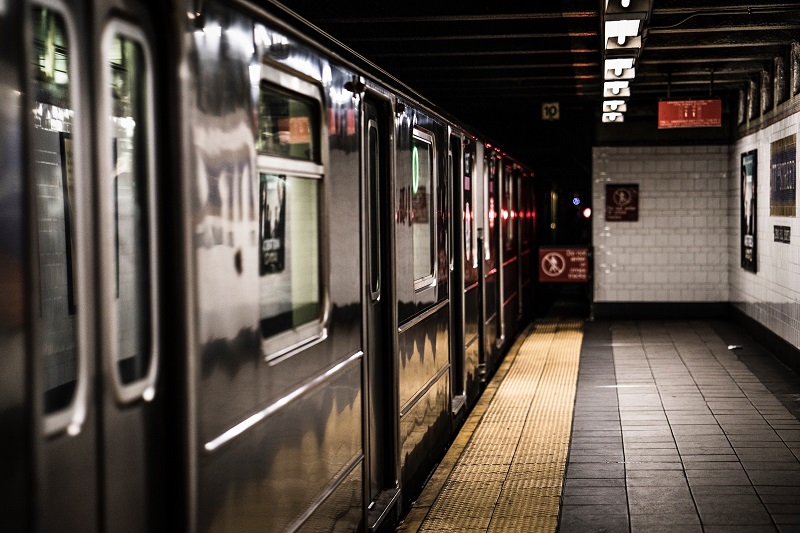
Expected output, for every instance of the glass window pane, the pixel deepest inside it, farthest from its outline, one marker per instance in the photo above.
(289, 252)
(422, 215)
(129, 187)
(509, 212)
(53, 177)
(374, 208)
(471, 255)
(287, 126)
(494, 227)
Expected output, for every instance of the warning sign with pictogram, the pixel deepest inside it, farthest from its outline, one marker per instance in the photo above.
(563, 265)
(622, 202)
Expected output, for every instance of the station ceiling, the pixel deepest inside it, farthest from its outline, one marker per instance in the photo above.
(494, 63)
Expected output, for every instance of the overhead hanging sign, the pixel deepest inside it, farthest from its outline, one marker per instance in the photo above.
(689, 113)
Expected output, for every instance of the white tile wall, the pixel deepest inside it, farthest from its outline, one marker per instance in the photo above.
(772, 295)
(679, 249)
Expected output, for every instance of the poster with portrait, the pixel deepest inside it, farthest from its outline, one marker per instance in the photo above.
(272, 223)
(783, 177)
(747, 206)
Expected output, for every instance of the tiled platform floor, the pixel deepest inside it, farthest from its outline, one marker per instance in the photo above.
(674, 431)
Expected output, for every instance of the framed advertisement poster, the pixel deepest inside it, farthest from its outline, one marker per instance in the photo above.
(783, 177)
(747, 206)
(272, 223)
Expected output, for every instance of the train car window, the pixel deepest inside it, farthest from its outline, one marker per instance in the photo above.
(130, 182)
(290, 236)
(422, 206)
(287, 126)
(54, 185)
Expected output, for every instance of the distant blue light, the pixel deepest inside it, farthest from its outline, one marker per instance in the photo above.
(576, 201)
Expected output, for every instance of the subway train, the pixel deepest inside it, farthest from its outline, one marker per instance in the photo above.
(249, 281)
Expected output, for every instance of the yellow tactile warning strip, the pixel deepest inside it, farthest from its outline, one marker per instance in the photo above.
(505, 469)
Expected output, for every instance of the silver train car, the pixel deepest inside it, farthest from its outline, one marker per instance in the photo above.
(249, 282)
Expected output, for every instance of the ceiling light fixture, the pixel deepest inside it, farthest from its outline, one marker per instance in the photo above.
(622, 30)
(613, 117)
(610, 106)
(619, 65)
(616, 88)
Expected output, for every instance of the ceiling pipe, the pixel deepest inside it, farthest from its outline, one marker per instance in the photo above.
(731, 11)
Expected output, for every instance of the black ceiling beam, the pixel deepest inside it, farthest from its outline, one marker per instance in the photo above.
(485, 53)
(710, 55)
(752, 38)
(473, 37)
(721, 8)
(501, 67)
(438, 19)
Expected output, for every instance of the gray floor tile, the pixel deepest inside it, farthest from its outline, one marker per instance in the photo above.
(792, 508)
(722, 489)
(586, 523)
(619, 493)
(676, 507)
(594, 482)
(634, 466)
(739, 529)
(676, 492)
(787, 522)
(601, 471)
(664, 522)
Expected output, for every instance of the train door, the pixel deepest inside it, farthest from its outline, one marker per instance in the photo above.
(128, 294)
(457, 250)
(93, 320)
(380, 388)
(470, 277)
(499, 249)
(491, 269)
(60, 290)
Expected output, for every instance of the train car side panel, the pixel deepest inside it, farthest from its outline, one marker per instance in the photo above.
(275, 167)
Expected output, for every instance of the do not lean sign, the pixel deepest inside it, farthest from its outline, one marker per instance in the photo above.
(563, 265)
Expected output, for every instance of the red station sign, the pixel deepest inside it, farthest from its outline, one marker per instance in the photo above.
(563, 265)
(689, 113)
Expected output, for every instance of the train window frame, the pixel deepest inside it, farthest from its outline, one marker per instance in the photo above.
(428, 280)
(144, 387)
(71, 417)
(282, 345)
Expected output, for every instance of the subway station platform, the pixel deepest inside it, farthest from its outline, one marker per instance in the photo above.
(619, 426)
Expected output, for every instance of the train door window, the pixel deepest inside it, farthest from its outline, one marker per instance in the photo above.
(290, 189)
(130, 287)
(509, 211)
(422, 206)
(471, 254)
(492, 169)
(54, 187)
(373, 168)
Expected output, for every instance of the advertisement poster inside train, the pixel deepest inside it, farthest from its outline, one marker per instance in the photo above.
(272, 223)
(783, 177)
(748, 210)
